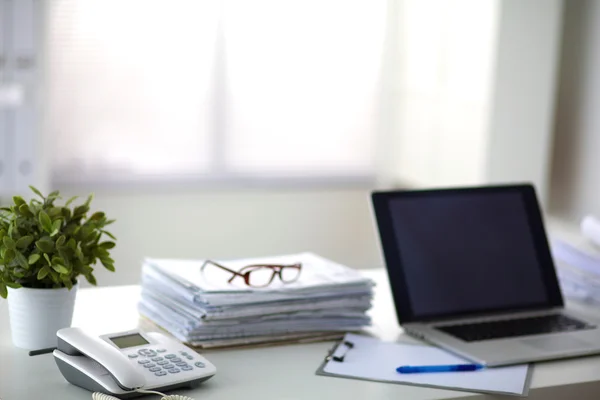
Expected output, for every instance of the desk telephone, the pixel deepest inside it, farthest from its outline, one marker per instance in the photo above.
(128, 364)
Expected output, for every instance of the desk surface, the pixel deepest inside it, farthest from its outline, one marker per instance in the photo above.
(279, 372)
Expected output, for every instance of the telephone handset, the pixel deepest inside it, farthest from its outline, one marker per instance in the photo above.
(124, 363)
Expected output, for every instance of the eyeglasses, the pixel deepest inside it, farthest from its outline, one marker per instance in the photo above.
(261, 275)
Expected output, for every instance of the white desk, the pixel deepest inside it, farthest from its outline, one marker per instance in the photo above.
(280, 372)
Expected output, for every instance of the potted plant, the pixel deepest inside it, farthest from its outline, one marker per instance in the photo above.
(44, 248)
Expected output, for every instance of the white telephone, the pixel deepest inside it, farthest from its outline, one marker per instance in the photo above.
(127, 364)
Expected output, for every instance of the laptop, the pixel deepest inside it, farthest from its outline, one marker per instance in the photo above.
(471, 271)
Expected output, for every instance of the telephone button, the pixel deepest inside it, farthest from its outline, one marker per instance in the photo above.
(165, 362)
(170, 356)
(150, 365)
(176, 359)
(143, 361)
(189, 357)
(155, 369)
(147, 352)
(157, 359)
(187, 368)
(173, 370)
(160, 373)
(161, 350)
(132, 355)
(181, 364)
(200, 364)
(168, 366)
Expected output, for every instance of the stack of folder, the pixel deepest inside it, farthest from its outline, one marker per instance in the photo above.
(578, 270)
(211, 307)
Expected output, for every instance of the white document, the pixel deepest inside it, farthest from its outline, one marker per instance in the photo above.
(373, 359)
(317, 272)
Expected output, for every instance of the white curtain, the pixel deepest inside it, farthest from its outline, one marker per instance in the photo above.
(146, 89)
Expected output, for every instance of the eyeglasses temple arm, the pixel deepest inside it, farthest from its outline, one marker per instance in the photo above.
(220, 266)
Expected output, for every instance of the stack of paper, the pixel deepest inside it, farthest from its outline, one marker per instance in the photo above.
(202, 307)
(578, 270)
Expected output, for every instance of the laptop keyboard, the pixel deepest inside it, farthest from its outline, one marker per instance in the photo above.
(474, 332)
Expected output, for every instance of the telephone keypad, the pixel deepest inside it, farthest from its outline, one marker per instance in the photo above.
(162, 363)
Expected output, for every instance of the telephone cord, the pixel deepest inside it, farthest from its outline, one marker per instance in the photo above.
(103, 396)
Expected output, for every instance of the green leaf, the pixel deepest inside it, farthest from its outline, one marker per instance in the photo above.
(61, 269)
(72, 199)
(19, 272)
(109, 267)
(24, 242)
(47, 259)
(9, 255)
(110, 235)
(80, 210)
(66, 212)
(45, 245)
(91, 278)
(33, 259)
(4, 291)
(56, 227)
(42, 273)
(61, 240)
(89, 200)
(19, 201)
(37, 192)
(67, 282)
(24, 209)
(107, 245)
(13, 285)
(58, 260)
(45, 221)
(8, 242)
(21, 260)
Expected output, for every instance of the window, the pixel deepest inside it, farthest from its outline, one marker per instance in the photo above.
(155, 89)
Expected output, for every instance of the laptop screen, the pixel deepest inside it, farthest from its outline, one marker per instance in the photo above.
(467, 251)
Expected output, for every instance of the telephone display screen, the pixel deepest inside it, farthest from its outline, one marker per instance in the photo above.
(132, 340)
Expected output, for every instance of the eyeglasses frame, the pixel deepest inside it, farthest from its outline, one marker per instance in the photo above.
(277, 268)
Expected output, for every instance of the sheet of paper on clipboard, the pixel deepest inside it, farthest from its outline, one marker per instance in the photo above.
(362, 357)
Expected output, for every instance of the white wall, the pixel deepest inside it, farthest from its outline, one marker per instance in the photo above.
(576, 158)
(477, 91)
(226, 224)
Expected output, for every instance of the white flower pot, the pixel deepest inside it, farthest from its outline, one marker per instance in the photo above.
(36, 315)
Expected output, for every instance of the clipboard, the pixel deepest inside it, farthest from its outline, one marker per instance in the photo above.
(366, 358)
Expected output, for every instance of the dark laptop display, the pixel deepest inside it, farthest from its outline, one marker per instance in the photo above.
(454, 252)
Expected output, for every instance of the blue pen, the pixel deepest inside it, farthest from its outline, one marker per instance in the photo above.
(412, 369)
